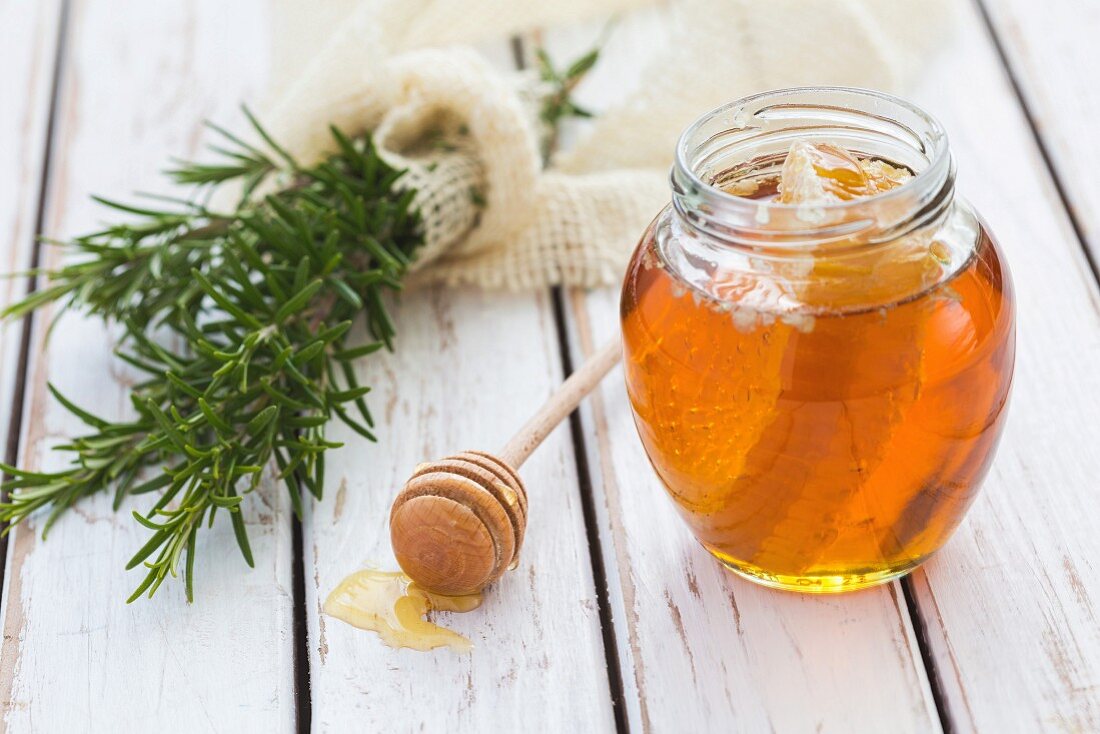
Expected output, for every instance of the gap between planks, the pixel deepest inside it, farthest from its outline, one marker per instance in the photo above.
(521, 55)
(928, 658)
(19, 378)
(648, 713)
(16, 417)
(1045, 154)
(536, 624)
(614, 671)
(592, 531)
(303, 693)
(23, 662)
(912, 605)
(301, 658)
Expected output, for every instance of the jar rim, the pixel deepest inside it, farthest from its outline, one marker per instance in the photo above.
(747, 117)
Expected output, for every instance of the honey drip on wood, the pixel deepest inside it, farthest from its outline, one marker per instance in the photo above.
(389, 604)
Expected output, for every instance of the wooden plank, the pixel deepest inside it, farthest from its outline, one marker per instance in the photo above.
(1011, 603)
(138, 79)
(27, 57)
(1052, 53)
(700, 648)
(470, 367)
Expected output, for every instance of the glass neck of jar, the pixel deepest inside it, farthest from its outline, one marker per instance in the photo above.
(748, 140)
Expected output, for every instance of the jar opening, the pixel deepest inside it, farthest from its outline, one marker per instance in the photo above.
(749, 138)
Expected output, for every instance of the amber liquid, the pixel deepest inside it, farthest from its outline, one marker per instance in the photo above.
(827, 454)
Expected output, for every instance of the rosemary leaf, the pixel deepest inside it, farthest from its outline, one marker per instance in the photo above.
(257, 303)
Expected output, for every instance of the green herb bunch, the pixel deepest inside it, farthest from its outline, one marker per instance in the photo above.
(239, 321)
(260, 300)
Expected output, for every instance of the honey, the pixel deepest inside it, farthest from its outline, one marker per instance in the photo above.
(822, 417)
(390, 605)
(814, 173)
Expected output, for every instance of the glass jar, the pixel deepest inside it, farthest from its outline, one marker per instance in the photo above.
(819, 387)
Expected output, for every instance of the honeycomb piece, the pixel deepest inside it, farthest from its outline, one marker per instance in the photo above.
(822, 173)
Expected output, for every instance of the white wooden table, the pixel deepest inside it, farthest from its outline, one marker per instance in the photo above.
(615, 620)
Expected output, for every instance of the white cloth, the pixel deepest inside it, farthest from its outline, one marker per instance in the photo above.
(494, 216)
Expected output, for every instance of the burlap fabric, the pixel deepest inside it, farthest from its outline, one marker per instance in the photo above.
(469, 135)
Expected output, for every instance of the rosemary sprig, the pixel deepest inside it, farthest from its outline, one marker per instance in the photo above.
(261, 298)
(558, 104)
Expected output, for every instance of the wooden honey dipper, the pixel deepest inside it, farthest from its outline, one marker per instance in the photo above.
(459, 522)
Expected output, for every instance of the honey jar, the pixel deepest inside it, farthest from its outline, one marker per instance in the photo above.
(819, 338)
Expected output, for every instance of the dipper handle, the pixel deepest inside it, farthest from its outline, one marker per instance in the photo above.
(563, 402)
(459, 522)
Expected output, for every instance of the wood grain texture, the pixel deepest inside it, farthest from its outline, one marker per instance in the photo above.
(701, 649)
(563, 402)
(704, 649)
(452, 384)
(28, 44)
(1011, 603)
(138, 79)
(1052, 53)
(468, 369)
